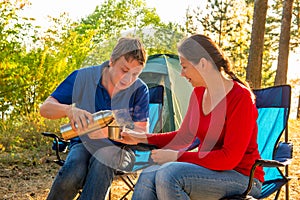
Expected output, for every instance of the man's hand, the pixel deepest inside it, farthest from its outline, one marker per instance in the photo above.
(79, 117)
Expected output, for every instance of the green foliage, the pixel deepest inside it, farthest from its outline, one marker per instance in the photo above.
(110, 21)
(163, 39)
(24, 132)
(228, 23)
(115, 16)
(13, 33)
(295, 26)
(10, 29)
(29, 75)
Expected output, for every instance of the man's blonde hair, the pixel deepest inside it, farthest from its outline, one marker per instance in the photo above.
(131, 49)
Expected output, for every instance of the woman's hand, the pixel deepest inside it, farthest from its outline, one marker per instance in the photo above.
(99, 134)
(133, 137)
(161, 156)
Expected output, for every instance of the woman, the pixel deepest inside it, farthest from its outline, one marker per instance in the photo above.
(222, 114)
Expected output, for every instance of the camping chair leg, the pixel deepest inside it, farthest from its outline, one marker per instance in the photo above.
(124, 196)
(287, 188)
(277, 194)
(287, 191)
(109, 195)
(129, 184)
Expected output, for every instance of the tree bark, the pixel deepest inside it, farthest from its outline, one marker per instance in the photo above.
(298, 108)
(284, 43)
(254, 66)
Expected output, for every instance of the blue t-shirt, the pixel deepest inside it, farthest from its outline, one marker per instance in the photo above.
(131, 103)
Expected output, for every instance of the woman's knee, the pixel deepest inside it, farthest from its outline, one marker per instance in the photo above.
(168, 172)
(147, 177)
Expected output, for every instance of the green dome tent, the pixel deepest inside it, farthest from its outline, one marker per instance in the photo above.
(165, 70)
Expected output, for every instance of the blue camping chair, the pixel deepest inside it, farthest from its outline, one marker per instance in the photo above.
(273, 106)
(142, 151)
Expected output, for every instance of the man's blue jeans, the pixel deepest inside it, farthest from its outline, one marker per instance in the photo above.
(184, 181)
(90, 170)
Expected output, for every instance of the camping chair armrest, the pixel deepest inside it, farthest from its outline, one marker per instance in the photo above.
(143, 147)
(271, 163)
(54, 136)
(57, 139)
(194, 145)
(263, 163)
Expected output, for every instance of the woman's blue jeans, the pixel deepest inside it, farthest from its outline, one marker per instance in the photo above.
(179, 180)
(89, 170)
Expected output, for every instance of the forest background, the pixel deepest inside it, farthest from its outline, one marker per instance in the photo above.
(34, 60)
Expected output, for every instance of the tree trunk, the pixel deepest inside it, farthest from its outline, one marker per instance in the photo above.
(298, 108)
(254, 67)
(284, 43)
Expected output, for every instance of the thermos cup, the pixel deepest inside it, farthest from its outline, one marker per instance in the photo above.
(114, 132)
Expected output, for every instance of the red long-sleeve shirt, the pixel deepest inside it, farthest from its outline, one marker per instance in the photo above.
(228, 133)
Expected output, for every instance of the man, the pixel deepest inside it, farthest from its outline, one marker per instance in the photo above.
(114, 85)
